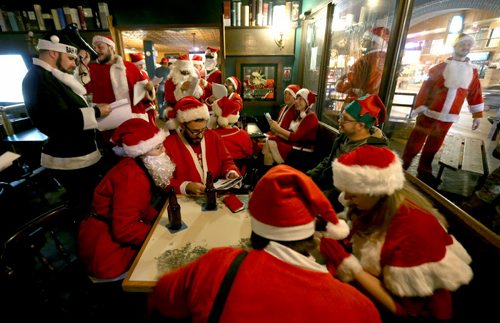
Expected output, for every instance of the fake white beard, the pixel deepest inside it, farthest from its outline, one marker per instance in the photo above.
(210, 64)
(457, 74)
(69, 80)
(161, 169)
(178, 78)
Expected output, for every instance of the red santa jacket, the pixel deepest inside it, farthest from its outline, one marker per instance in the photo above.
(302, 137)
(107, 84)
(215, 76)
(364, 76)
(108, 247)
(286, 115)
(436, 101)
(237, 141)
(188, 168)
(266, 289)
(418, 261)
(173, 92)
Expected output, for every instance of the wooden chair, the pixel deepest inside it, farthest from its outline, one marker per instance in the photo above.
(40, 274)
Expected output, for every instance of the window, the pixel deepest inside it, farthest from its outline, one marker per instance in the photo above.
(13, 71)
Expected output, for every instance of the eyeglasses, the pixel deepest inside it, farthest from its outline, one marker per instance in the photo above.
(342, 118)
(185, 72)
(196, 132)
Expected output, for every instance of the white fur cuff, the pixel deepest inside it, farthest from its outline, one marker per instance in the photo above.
(349, 267)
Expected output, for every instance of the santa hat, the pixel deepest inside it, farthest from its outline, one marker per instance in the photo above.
(379, 35)
(103, 39)
(226, 110)
(236, 83)
(292, 89)
(308, 96)
(136, 137)
(187, 109)
(212, 51)
(368, 109)
(463, 37)
(164, 60)
(183, 63)
(197, 59)
(368, 170)
(137, 58)
(284, 206)
(59, 42)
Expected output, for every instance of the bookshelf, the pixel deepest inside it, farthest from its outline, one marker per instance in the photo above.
(260, 13)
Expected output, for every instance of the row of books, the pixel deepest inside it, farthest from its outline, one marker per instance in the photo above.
(46, 19)
(252, 13)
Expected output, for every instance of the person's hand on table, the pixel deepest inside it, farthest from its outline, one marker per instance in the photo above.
(195, 188)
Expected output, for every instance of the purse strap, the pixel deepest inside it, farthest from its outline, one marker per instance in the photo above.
(225, 287)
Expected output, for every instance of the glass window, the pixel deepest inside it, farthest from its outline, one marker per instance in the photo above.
(360, 33)
(13, 71)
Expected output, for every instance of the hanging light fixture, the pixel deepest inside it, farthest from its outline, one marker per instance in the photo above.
(194, 48)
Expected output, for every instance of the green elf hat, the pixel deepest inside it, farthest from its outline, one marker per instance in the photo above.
(368, 109)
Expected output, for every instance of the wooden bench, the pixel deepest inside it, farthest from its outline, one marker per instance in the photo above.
(466, 154)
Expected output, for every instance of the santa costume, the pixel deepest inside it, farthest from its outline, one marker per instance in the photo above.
(175, 79)
(287, 112)
(418, 262)
(439, 103)
(116, 81)
(303, 129)
(111, 236)
(236, 140)
(365, 74)
(213, 74)
(277, 283)
(195, 160)
(149, 100)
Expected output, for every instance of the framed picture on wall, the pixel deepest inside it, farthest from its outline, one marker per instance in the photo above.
(259, 81)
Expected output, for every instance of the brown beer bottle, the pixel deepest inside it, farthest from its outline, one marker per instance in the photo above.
(174, 210)
(210, 192)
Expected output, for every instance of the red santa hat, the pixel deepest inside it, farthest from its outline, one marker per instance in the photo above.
(462, 37)
(212, 51)
(379, 35)
(103, 39)
(187, 109)
(308, 96)
(183, 63)
(136, 137)
(368, 170)
(226, 110)
(137, 58)
(292, 89)
(284, 206)
(164, 60)
(236, 83)
(197, 59)
(368, 109)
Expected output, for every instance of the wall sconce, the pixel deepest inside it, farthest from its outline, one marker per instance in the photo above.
(281, 24)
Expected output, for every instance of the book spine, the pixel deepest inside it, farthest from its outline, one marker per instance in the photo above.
(238, 13)
(258, 12)
(81, 18)
(39, 18)
(12, 20)
(62, 17)
(3, 22)
(55, 19)
(103, 14)
(245, 14)
(74, 17)
(227, 12)
(48, 21)
(265, 11)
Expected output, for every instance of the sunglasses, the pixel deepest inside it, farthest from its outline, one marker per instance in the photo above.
(342, 118)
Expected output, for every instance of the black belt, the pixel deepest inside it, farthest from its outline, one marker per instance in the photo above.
(100, 217)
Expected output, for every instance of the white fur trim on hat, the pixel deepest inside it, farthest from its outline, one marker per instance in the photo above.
(142, 147)
(200, 112)
(183, 64)
(103, 39)
(224, 121)
(55, 45)
(368, 179)
(338, 231)
(298, 232)
(291, 92)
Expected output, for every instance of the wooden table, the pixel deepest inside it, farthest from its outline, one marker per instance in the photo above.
(205, 230)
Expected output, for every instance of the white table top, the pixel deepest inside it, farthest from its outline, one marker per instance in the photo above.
(205, 230)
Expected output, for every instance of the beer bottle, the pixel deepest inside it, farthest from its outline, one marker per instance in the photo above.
(174, 210)
(210, 192)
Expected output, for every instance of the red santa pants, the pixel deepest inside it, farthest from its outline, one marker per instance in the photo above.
(431, 132)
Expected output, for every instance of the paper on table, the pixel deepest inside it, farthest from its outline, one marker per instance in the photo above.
(219, 90)
(7, 158)
(140, 91)
(120, 112)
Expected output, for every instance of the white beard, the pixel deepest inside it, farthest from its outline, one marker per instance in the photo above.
(161, 169)
(457, 74)
(69, 80)
(210, 64)
(178, 78)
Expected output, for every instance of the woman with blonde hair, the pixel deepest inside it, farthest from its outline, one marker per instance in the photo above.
(402, 255)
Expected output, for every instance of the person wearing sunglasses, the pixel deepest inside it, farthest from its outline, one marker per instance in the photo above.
(357, 126)
(195, 149)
